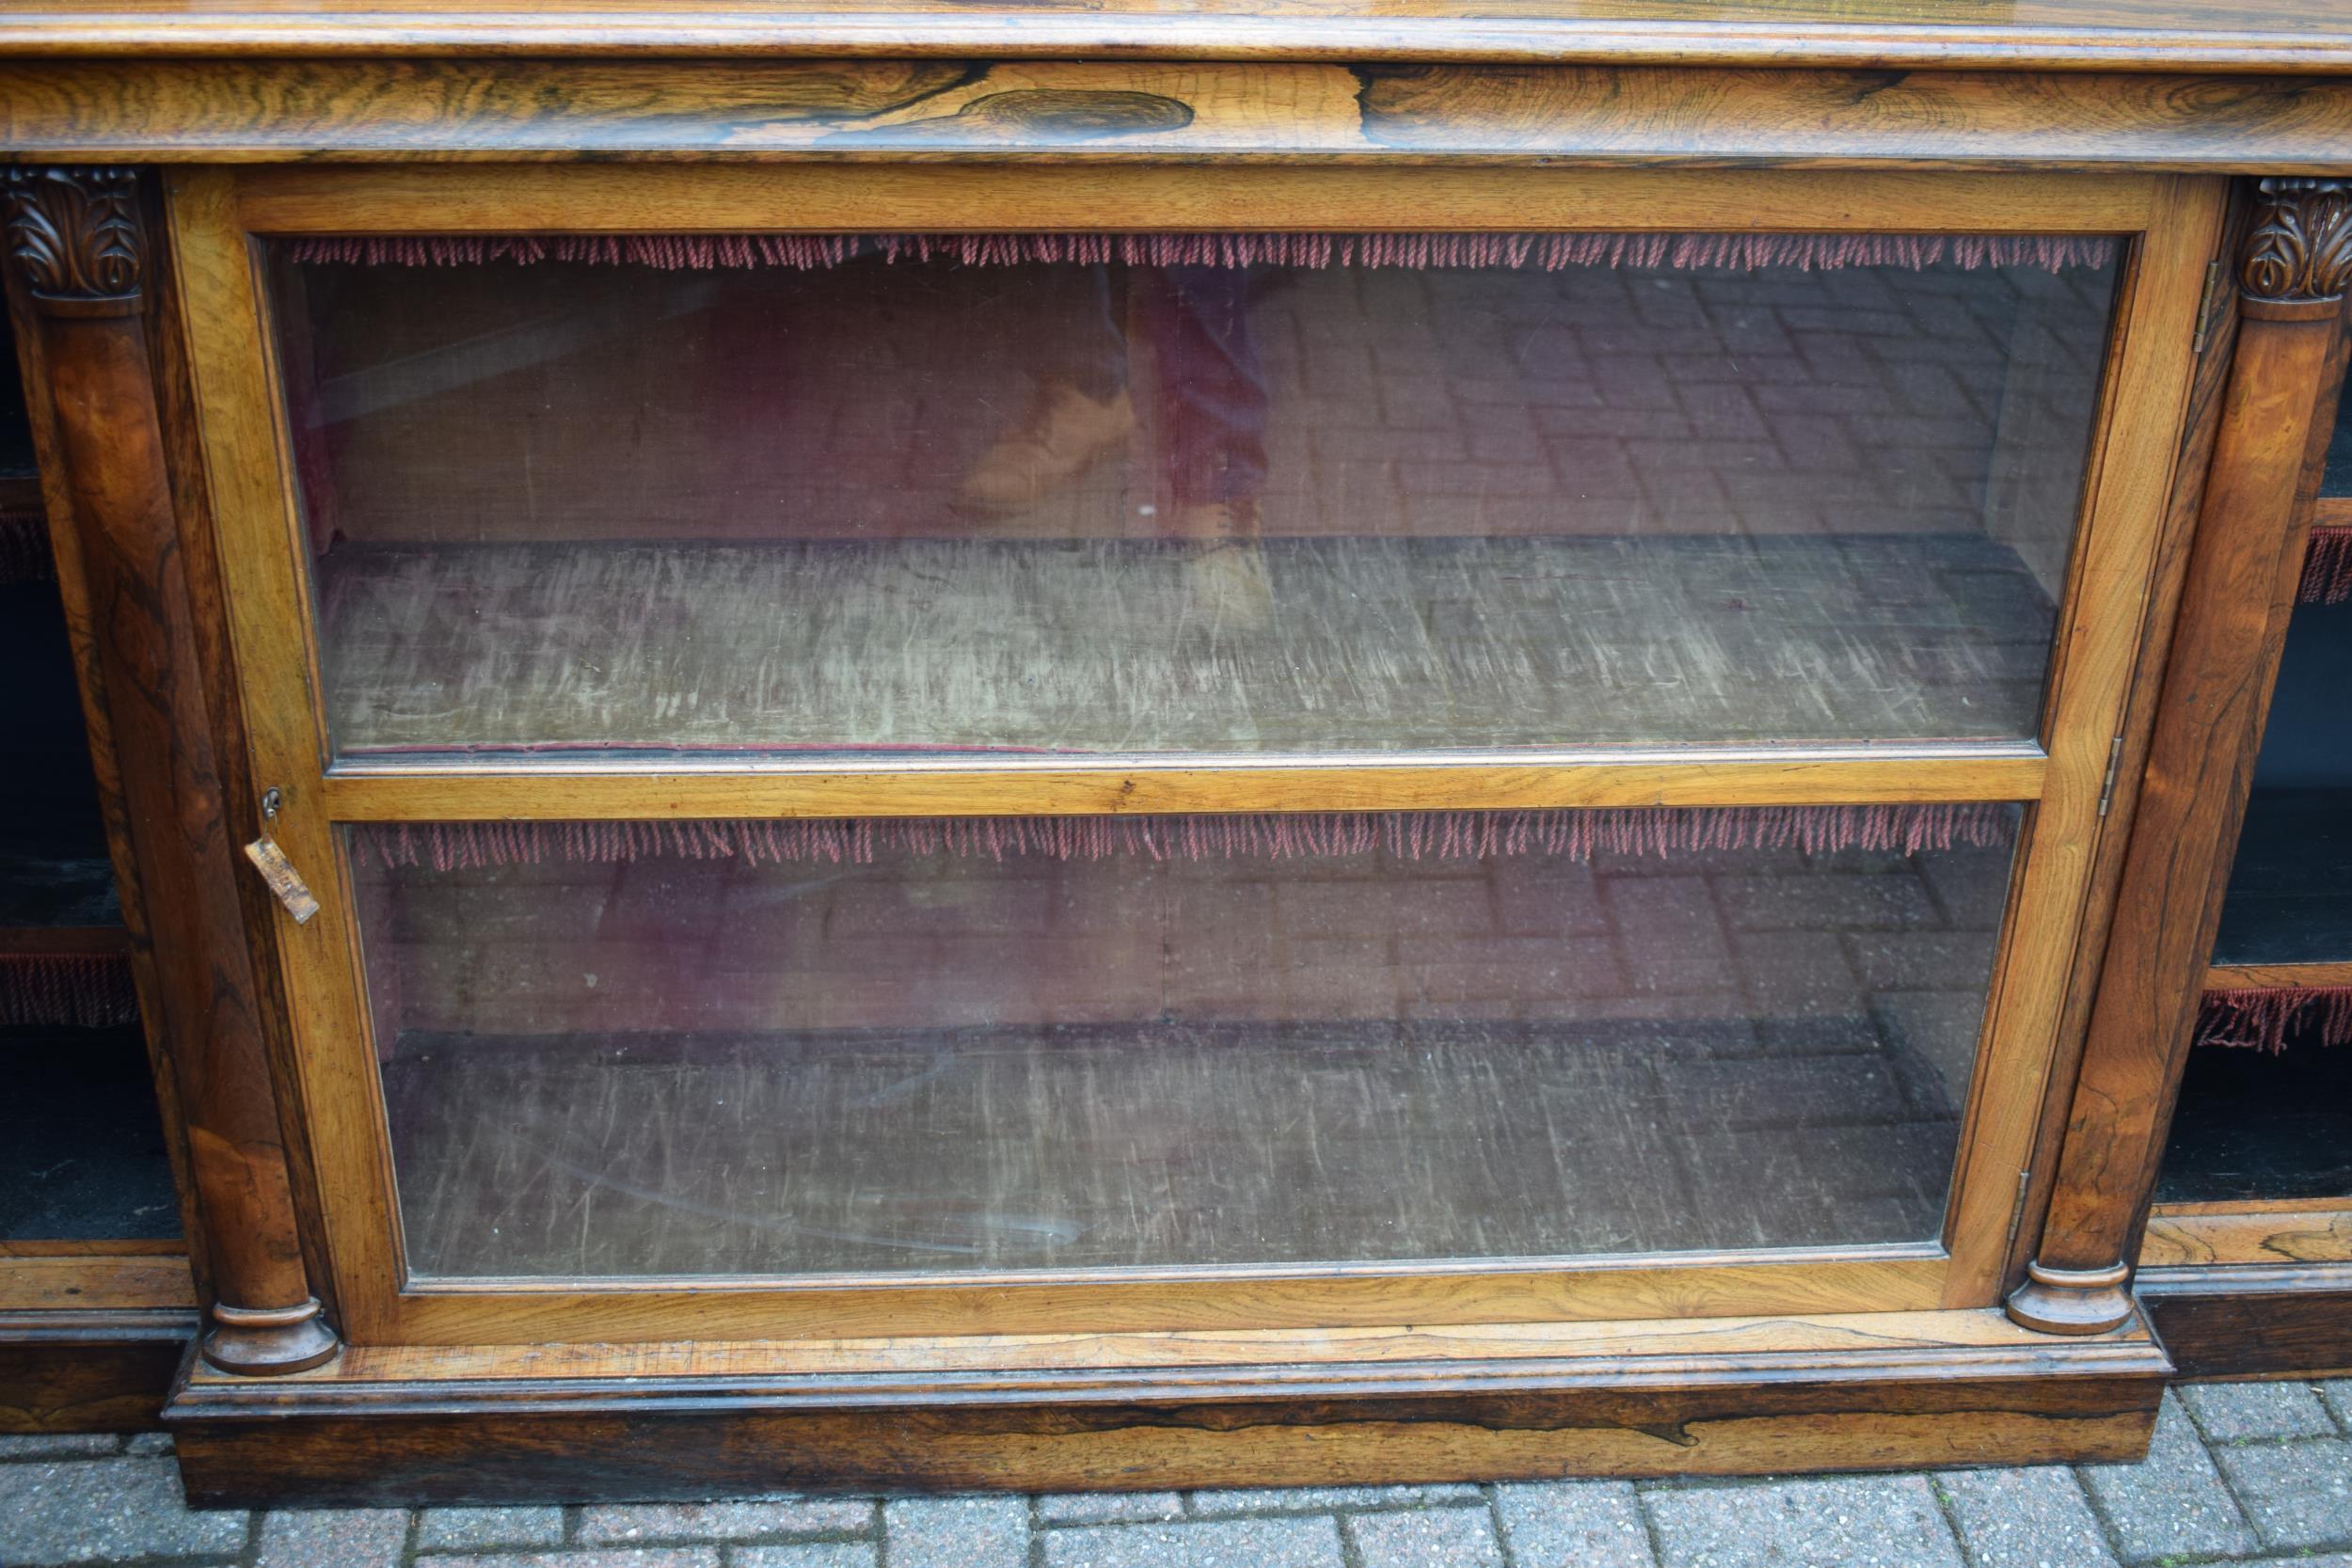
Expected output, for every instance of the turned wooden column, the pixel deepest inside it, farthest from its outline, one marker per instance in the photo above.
(2244, 563)
(77, 243)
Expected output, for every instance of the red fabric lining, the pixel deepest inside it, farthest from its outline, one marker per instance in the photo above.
(24, 547)
(2262, 1019)
(78, 990)
(2328, 567)
(1415, 836)
(1550, 252)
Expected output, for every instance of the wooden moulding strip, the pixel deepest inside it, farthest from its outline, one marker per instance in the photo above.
(1304, 1408)
(80, 1277)
(1875, 1333)
(2125, 35)
(2250, 1234)
(2236, 977)
(1099, 113)
(908, 196)
(559, 788)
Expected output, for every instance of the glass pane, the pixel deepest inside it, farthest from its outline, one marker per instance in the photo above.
(875, 1046)
(842, 496)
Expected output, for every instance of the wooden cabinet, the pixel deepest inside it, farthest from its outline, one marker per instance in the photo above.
(987, 767)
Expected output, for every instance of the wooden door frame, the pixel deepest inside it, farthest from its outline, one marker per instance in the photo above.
(217, 215)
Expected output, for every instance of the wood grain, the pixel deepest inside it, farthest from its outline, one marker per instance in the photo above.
(104, 1371)
(2231, 1233)
(2277, 977)
(79, 253)
(110, 1275)
(2200, 425)
(907, 197)
(1628, 1404)
(162, 110)
(92, 1333)
(2182, 34)
(559, 790)
(2219, 1320)
(2277, 413)
(2115, 576)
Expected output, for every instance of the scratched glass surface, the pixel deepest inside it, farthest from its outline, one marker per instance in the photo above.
(772, 1049)
(854, 499)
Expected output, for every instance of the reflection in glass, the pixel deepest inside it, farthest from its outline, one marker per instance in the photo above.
(614, 1050)
(854, 497)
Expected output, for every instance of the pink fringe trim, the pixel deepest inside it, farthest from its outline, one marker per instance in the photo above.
(1411, 836)
(2262, 1019)
(1550, 252)
(2328, 569)
(77, 990)
(24, 549)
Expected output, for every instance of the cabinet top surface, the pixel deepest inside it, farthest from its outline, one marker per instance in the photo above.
(2298, 35)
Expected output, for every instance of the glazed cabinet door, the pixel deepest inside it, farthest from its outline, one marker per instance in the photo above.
(925, 749)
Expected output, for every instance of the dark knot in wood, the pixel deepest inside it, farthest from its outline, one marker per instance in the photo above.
(2301, 245)
(75, 234)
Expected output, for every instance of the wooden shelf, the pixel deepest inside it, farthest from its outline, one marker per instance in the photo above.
(1110, 647)
(59, 903)
(1155, 1145)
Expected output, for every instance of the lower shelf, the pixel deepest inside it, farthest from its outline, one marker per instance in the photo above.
(2226, 1321)
(1724, 1396)
(91, 1334)
(2251, 1289)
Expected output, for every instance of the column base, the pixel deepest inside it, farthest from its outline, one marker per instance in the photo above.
(2072, 1301)
(269, 1341)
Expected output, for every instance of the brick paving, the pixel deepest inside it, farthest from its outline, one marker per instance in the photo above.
(2250, 1473)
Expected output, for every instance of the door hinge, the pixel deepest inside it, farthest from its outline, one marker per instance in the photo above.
(2115, 764)
(2204, 307)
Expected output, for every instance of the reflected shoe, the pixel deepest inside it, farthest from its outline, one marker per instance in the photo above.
(1066, 433)
(1225, 574)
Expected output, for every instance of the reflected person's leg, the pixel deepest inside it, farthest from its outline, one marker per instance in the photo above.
(1213, 416)
(1212, 397)
(1079, 410)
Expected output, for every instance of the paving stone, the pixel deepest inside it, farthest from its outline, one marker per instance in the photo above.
(2024, 1518)
(2233, 1412)
(1574, 1524)
(106, 1510)
(1850, 1521)
(1099, 1508)
(58, 1444)
(148, 1443)
(446, 1528)
(344, 1537)
(659, 1557)
(613, 1524)
(2172, 1503)
(2337, 1396)
(1324, 1500)
(1429, 1538)
(956, 1532)
(817, 1554)
(2298, 1494)
(1293, 1543)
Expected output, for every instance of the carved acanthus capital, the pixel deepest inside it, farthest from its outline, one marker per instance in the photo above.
(2300, 249)
(75, 235)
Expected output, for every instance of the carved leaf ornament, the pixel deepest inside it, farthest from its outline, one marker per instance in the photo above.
(75, 231)
(2301, 247)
